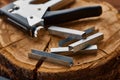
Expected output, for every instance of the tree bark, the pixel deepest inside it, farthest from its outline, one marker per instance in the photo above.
(15, 46)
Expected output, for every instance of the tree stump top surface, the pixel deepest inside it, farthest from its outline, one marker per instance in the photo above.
(15, 45)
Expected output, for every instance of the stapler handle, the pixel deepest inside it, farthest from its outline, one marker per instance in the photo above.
(61, 16)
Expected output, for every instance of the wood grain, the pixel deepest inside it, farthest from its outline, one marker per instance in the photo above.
(15, 46)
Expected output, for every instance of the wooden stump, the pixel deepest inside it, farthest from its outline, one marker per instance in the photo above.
(15, 46)
(115, 3)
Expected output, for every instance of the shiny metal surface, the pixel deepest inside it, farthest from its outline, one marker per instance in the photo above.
(65, 32)
(60, 50)
(87, 32)
(51, 57)
(32, 12)
(83, 43)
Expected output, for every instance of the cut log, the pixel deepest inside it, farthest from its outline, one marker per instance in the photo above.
(115, 3)
(15, 47)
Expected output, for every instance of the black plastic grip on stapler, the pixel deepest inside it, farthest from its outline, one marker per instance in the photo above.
(61, 16)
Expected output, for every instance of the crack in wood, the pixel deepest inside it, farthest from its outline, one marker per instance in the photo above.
(11, 44)
(93, 62)
(48, 44)
(35, 75)
(104, 51)
(39, 63)
(110, 39)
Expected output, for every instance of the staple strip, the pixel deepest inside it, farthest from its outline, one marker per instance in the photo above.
(66, 51)
(51, 57)
(88, 32)
(65, 32)
(83, 43)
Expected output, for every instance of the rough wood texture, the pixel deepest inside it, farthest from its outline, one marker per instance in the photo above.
(115, 3)
(15, 46)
